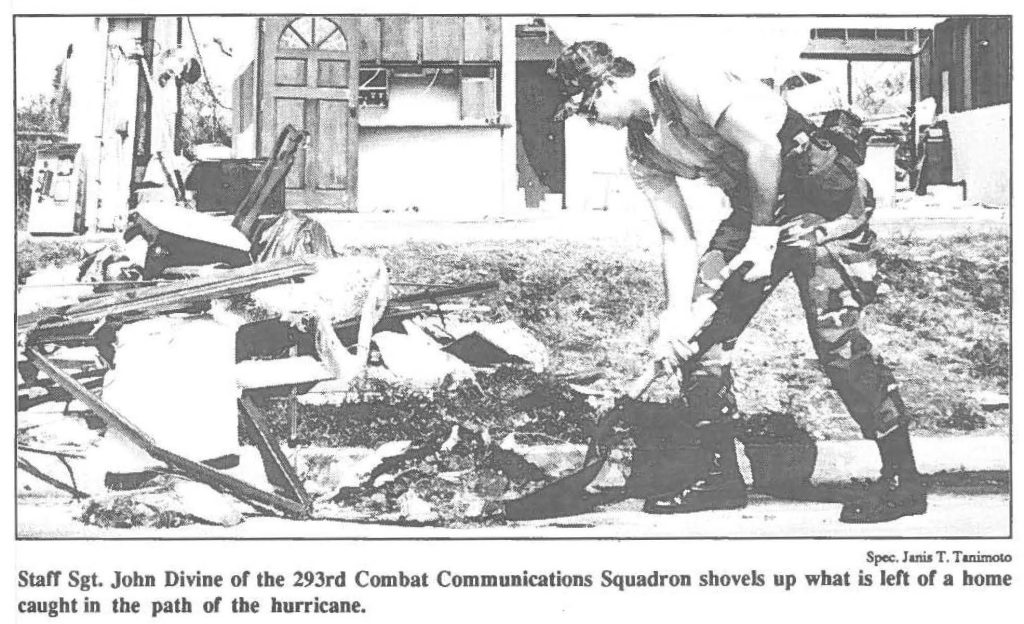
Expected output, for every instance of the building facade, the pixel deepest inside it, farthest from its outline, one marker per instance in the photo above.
(404, 113)
(966, 68)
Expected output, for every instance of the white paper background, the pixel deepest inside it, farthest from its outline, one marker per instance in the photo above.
(516, 605)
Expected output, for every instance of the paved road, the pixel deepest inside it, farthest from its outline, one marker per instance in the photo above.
(633, 230)
(970, 512)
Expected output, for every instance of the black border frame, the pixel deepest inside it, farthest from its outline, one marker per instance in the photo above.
(14, 100)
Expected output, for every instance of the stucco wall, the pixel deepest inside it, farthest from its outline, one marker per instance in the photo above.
(448, 171)
(981, 152)
(595, 167)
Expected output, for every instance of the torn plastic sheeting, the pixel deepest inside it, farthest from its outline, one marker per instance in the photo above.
(418, 363)
(337, 291)
(295, 236)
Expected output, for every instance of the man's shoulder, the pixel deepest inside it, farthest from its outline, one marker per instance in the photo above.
(713, 88)
(682, 72)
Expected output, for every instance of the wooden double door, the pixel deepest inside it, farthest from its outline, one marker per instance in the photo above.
(310, 79)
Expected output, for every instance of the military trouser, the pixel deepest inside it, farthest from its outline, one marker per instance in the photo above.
(836, 280)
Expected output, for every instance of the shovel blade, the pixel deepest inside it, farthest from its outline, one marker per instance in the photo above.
(565, 497)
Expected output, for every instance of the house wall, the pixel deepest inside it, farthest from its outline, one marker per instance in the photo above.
(117, 133)
(981, 152)
(424, 149)
(108, 114)
(975, 51)
(243, 113)
(446, 172)
(85, 115)
(596, 178)
(595, 168)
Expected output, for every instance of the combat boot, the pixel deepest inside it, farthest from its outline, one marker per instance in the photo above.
(712, 410)
(888, 499)
(900, 492)
(721, 488)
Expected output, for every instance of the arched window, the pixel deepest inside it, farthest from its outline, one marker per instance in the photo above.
(312, 33)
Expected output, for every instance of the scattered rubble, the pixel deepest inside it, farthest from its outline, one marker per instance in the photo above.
(171, 502)
(210, 332)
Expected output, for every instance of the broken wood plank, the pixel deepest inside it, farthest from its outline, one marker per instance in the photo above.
(274, 170)
(167, 298)
(279, 470)
(57, 483)
(436, 294)
(193, 469)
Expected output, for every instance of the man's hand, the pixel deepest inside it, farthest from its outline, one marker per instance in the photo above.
(759, 252)
(674, 344)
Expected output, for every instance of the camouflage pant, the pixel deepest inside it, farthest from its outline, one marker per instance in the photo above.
(836, 280)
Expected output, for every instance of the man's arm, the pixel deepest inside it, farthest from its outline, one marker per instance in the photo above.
(750, 131)
(679, 258)
(678, 247)
(759, 143)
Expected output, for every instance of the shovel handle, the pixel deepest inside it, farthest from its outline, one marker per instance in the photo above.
(644, 381)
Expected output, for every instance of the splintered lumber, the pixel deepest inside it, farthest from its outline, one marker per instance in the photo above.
(450, 292)
(184, 294)
(193, 469)
(410, 306)
(274, 170)
(25, 465)
(279, 470)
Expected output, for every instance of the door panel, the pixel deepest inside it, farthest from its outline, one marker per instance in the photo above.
(332, 131)
(292, 111)
(291, 72)
(311, 71)
(332, 73)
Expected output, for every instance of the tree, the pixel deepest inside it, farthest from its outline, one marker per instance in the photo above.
(40, 114)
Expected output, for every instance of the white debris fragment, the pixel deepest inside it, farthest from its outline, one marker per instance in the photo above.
(418, 363)
(412, 508)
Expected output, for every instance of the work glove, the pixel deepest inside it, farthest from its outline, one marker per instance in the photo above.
(759, 252)
(798, 235)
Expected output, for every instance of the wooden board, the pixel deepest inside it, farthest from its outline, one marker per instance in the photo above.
(483, 38)
(442, 39)
(401, 39)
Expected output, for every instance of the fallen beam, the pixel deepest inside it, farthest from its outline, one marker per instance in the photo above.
(171, 297)
(274, 170)
(436, 294)
(57, 483)
(279, 469)
(192, 469)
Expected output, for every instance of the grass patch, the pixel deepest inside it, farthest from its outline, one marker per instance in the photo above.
(34, 255)
(942, 324)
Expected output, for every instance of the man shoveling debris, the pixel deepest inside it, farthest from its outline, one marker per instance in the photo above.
(799, 207)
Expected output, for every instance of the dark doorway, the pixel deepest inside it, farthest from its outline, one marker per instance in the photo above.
(541, 140)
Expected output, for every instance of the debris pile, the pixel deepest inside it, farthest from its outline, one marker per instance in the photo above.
(464, 479)
(327, 351)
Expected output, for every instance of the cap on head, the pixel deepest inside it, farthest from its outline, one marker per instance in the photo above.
(581, 69)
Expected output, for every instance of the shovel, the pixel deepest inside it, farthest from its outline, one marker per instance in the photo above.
(568, 496)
